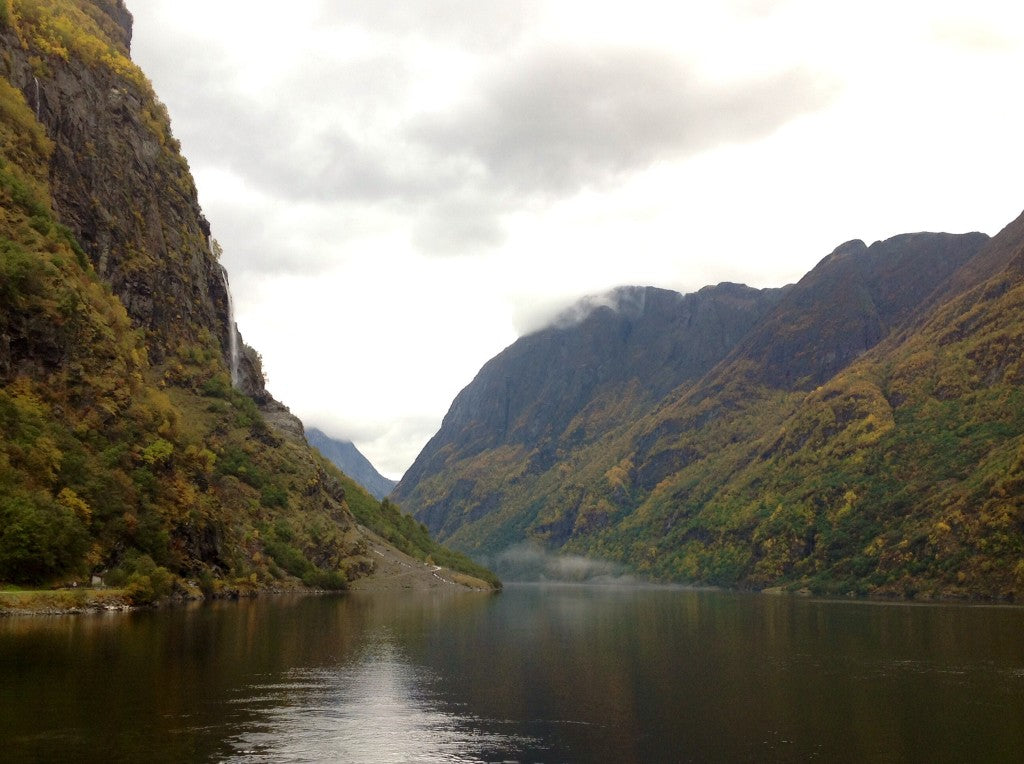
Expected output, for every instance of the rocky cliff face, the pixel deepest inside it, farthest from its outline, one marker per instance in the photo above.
(652, 337)
(116, 176)
(849, 302)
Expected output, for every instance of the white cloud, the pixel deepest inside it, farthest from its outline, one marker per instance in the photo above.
(557, 120)
(377, 349)
(401, 188)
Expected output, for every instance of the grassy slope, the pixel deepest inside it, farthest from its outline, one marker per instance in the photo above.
(403, 531)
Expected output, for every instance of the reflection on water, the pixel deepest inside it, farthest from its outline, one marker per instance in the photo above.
(537, 674)
(378, 707)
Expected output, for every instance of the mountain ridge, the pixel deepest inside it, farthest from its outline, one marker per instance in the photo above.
(498, 417)
(703, 487)
(350, 460)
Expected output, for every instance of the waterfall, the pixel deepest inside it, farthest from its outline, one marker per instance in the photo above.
(38, 101)
(232, 329)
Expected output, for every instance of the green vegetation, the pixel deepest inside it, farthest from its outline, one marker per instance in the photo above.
(125, 452)
(901, 475)
(72, 29)
(403, 531)
(143, 581)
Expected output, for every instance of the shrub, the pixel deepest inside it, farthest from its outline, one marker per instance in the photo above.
(216, 386)
(143, 580)
(235, 461)
(207, 583)
(289, 558)
(39, 538)
(273, 495)
(330, 580)
(158, 453)
(296, 563)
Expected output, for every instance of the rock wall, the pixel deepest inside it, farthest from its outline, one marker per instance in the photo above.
(122, 187)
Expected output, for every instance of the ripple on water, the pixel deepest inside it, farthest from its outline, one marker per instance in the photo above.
(376, 709)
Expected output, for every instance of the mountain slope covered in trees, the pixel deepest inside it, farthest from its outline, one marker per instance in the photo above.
(137, 441)
(864, 435)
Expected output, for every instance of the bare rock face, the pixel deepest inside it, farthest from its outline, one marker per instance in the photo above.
(250, 376)
(278, 416)
(122, 187)
(109, 171)
(849, 302)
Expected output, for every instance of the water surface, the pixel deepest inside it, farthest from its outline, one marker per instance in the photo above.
(536, 674)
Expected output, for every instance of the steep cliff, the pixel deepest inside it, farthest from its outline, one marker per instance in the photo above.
(556, 393)
(138, 440)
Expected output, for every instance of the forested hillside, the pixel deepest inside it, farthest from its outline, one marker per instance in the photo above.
(864, 436)
(137, 441)
(898, 475)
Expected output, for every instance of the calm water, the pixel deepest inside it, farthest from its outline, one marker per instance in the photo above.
(545, 674)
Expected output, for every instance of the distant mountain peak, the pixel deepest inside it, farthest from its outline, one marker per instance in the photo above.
(344, 455)
(851, 247)
(626, 300)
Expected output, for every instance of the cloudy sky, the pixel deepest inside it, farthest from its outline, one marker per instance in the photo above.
(403, 188)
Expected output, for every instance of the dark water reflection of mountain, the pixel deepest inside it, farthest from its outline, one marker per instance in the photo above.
(538, 673)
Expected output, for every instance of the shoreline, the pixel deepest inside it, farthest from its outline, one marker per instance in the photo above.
(412, 576)
(71, 601)
(54, 602)
(394, 571)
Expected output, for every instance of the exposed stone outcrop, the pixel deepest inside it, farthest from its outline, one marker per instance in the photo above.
(122, 187)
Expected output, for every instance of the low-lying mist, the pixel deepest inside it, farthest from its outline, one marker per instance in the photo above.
(530, 562)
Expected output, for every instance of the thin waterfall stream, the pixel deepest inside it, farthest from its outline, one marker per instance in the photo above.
(233, 348)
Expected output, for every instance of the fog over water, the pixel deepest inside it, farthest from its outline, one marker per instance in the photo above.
(530, 562)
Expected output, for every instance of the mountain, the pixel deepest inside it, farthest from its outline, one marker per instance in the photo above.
(898, 475)
(862, 436)
(137, 439)
(554, 393)
(346, 457)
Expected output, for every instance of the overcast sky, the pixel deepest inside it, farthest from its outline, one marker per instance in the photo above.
(403, 188)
